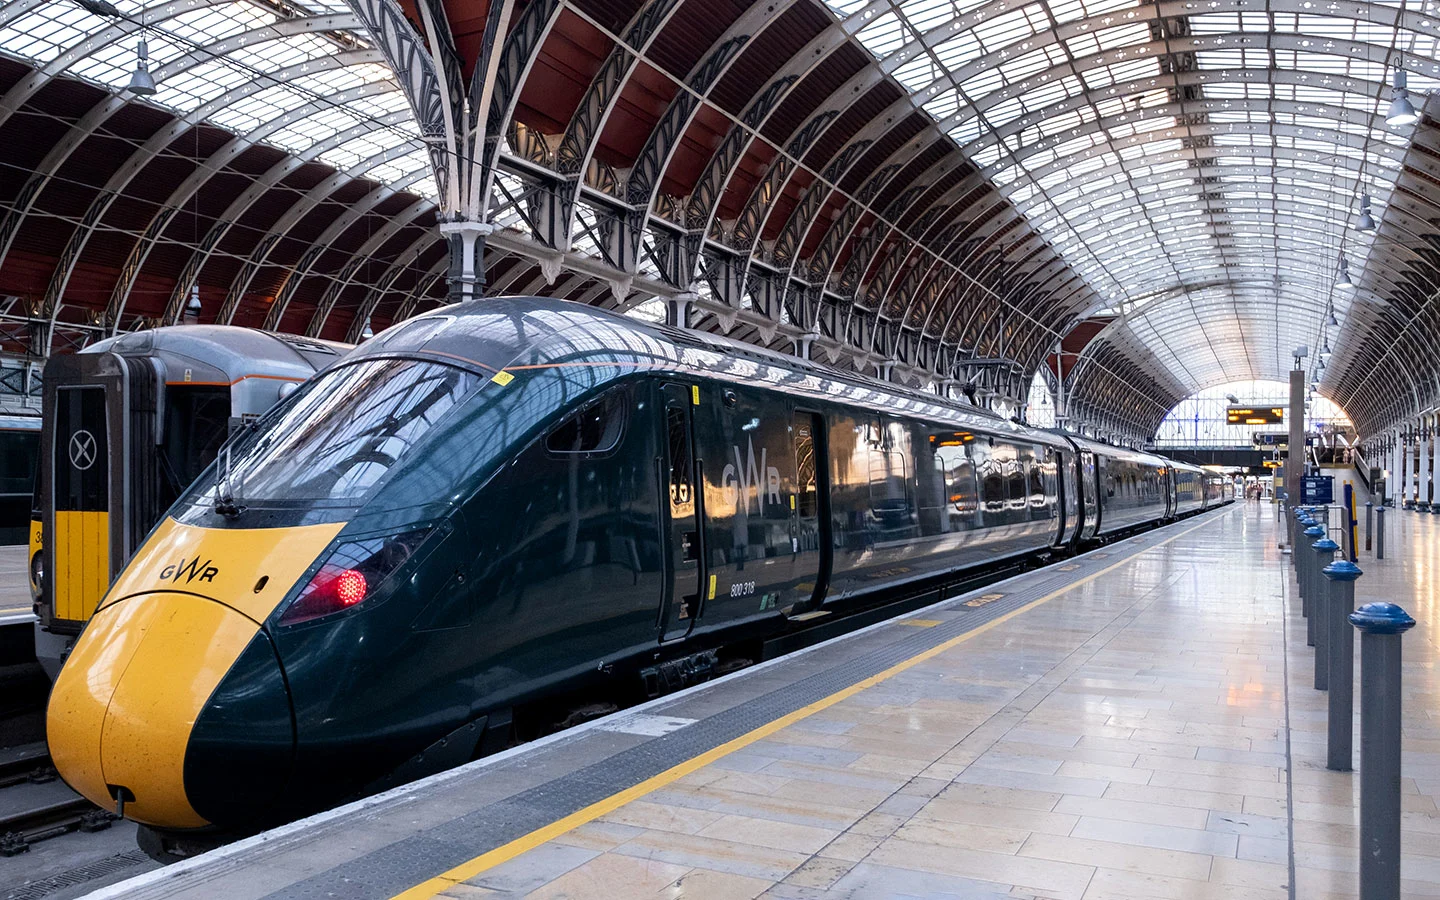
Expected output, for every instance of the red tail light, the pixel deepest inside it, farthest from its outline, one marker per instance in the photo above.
(353, 573)
(350, 587)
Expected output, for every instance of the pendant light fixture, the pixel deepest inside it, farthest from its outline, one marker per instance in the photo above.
(1402, 113)
(141, 81)
(1366, 222)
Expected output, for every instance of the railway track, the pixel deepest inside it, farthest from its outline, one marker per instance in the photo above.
(34, 804)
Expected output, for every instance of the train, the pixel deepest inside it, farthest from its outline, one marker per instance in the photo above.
(514, 499)
(19, 443)
(129, 422)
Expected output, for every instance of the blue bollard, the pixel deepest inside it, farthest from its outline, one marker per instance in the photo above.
(1340, 602)
(1380, 626)
(1308, 570)
(1320, 610)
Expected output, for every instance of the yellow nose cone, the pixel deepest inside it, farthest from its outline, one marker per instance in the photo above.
(123, 709)
(125, 703)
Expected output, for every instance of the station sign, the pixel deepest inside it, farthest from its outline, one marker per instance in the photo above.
(1253, 415)
(1317, 489)
(1276, 439)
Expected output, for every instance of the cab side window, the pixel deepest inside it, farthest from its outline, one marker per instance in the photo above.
(595, 429)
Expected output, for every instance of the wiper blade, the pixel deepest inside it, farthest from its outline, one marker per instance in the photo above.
(225, 504)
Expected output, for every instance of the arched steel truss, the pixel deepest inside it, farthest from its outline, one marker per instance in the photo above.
(940, 208)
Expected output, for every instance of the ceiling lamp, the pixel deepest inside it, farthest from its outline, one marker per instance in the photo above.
(1366, 222)
(1344, 278)
(367, 333)
(1401, 112)
(1332, 320)
(1325, 351)
(141, 82)
(1320, 366)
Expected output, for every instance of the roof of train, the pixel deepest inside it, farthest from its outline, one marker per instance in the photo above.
(497, 333)
(19, 423)
(1115, 452)
(225, 352)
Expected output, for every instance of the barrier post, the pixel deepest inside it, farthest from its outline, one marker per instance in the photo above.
(1312, 534)
(1381, 626)
(1353, 552)
(1369, 520)
(1339, 744)
(1380, 533)
(1320, 610)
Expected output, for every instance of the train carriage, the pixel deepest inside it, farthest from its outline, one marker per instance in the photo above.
(1188, 484)
(130, 421)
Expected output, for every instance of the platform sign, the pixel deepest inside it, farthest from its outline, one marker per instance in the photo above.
(1253, 415)
(1317, 490)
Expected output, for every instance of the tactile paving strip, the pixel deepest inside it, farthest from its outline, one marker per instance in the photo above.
(411, 860)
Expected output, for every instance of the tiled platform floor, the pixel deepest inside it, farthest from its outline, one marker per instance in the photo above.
(1130, 739)
(14, 585)
(1148, 733)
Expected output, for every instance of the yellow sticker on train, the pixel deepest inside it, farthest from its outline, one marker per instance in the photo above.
(712, 587)
(695, 394)
(502, 378)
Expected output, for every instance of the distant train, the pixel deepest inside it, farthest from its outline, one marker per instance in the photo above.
(516, 499)
(129, 422)
(19, 444)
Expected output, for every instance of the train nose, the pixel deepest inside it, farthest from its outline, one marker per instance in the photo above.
(175, 703)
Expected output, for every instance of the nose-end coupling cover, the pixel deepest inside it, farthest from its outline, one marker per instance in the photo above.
(173, 625)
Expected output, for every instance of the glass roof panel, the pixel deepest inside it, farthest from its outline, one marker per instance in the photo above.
(1247, 147)
(282, 72)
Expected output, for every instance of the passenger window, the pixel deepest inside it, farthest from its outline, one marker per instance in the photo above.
(1037, 487)
(806, 492)
(595, 429)
(993, 488)
(679, 439)
(1017, 485)
(962, 487)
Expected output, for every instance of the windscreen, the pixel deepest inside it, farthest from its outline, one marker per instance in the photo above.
(344, 432)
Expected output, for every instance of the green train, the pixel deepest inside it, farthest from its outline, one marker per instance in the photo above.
(516, 499)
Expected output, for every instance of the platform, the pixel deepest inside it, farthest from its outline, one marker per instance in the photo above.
(14, 585)
(1127, 725)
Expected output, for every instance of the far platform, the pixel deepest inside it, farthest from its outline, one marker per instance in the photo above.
(1133, 723)
(15, 585)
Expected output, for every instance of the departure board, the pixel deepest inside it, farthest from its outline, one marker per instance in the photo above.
(1252, 415)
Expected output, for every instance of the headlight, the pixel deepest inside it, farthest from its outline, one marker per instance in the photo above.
(352, 573)
(37, 574)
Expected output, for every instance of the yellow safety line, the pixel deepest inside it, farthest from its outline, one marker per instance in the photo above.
(918, 623)
(506, 852)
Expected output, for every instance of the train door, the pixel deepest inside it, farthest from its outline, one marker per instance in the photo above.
(80, 520)
(1090, 493)
(681, 480)
(98, 471)
(1069, 497)
(810, 538)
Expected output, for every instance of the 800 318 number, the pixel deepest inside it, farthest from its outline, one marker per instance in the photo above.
(742, 589)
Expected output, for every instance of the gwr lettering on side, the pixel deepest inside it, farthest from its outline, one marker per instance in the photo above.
(739, 477)
(190, 570)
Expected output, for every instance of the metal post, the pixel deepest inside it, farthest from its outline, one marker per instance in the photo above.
(1307, 596)
(1320, 610)
(1380, 626)
(1380, 533)
(1369, 518)
(1341, 646)
(1302, 522)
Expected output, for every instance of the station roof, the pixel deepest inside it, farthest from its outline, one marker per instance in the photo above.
(940, 182)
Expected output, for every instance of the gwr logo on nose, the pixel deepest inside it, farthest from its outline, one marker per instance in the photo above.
(190, 570)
